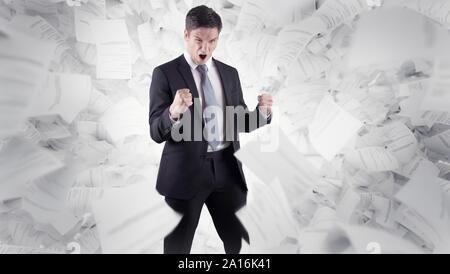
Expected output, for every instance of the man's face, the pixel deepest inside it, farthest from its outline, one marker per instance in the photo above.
(201, 43)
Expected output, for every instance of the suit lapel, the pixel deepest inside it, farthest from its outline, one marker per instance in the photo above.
(225, 83)
(185, 70)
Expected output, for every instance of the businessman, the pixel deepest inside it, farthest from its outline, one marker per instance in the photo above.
(197, 109)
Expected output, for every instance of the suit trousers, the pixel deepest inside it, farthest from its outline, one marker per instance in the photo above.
(223, 193)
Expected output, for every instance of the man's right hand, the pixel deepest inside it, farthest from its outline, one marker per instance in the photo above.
(181, 103)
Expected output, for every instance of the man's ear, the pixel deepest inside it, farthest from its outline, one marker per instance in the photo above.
(186, 35)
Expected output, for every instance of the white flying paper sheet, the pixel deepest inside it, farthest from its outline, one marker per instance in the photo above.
(283, 162)
(424, 195)
(47, 7)
(437, 97)
(347, 205)
(443, 166)
(331, 128)
(251, 16)
(439, 143)
(98, 102)
(23, 69)
(63, 94)
(44, 199)
(133, 219)
(384, 211)
(148, 40)
(55, 129)
(415, 224)
(39, 28)
(395, 137)
(306, 66)
(268, 217)
(92, 10)
(293, 38)
(113, 49)
(436, 9)
(30, 133)
(401, 142)
(372, 159)
(416, 163)
(21, 161)
(124, 119)
(80, 199)
(89, 241)
(92, 152)
(24, 233)
(334, 13)
(408, 88)
(436, 117)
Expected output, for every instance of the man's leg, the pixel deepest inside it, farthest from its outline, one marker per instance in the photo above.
(222, 206)
(179, 241)
(228, 197)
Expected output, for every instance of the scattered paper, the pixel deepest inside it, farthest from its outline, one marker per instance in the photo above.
(332, 128)
(133, 219)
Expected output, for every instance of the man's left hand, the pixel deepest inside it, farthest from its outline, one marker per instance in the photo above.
(265, 103)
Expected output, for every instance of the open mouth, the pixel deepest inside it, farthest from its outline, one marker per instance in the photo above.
(202, 56)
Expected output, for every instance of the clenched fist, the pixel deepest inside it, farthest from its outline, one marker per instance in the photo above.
(265, 103)
(181, 103)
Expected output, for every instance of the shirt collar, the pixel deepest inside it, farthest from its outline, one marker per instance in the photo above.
(187, 56)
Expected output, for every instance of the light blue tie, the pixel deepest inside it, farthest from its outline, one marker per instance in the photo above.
(209, 100)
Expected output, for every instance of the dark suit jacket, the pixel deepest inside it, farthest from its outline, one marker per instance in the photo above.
(182, 160)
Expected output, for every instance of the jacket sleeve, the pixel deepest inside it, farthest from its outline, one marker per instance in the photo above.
(160, 101)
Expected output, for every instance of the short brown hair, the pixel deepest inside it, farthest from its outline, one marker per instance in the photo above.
(203, 16)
